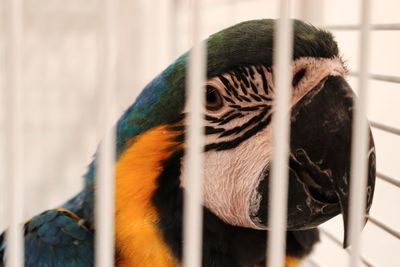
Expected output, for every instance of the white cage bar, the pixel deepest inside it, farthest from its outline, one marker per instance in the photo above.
(376, 27)
(359, 158)
(277, 212)
(196, 74)
(388, 179)
(339, 243)
(385, 128)
(104, 192)
(380, 77)
(14, 133)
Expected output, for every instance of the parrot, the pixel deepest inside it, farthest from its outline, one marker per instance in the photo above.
(238, 108)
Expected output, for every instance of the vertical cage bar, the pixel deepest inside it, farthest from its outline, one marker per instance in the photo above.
(104, 196)
(359, 148)
(193, 211)
(278, 185)
(14, 132)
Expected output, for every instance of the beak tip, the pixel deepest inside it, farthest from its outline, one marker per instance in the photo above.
(345, 240)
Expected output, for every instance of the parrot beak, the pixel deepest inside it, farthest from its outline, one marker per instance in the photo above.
(344, 198)
(319, 164)
(321, 151)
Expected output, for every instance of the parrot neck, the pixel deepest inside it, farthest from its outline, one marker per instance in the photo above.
(138, 238)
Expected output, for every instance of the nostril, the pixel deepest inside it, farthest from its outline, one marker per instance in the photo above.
(318, 192)
(316, 180)
(298, 76)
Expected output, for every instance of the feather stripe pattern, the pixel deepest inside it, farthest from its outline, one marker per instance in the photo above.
(247, 91)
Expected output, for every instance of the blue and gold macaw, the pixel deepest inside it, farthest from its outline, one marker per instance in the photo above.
(237, 158)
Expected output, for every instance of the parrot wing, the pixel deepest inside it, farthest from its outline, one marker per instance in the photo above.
(56, 238)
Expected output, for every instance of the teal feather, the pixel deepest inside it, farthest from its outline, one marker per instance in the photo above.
(54, 238)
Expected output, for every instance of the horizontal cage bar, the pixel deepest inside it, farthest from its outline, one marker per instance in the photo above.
(384, 227)
(356, 27)
(384, 127)
(388, 179)
(337, 242)
(379, 77)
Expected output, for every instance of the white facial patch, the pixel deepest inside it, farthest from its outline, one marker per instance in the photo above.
(239, 138)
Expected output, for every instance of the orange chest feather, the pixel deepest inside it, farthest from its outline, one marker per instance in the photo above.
(138, 239)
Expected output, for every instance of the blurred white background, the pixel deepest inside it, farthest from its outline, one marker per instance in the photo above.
(60, 76)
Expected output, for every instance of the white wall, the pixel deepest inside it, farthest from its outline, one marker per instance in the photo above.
(60, 57)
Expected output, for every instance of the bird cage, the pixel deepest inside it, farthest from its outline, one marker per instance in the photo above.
(70, 69)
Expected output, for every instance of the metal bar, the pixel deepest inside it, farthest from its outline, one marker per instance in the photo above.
(193, 210)
(385, 128)
(14, 132)
(313, 12)
(356, 27)
(227, 2)
(313, 263)
(277, 213)
(388, 179)
(104, 196)
(379, 77)
(337, 242)
(359, 158)
(384, 227)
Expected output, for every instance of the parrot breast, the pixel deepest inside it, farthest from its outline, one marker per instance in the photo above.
(138, 240)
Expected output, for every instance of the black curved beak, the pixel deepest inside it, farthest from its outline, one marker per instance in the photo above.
(319, 165)
(321, 132)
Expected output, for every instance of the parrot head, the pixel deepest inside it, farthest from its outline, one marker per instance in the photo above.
(238, 145)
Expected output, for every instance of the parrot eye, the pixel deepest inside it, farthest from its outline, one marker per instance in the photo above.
(214, 99)
(298, 76)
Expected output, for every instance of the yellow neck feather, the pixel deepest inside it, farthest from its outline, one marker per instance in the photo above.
(138, 239)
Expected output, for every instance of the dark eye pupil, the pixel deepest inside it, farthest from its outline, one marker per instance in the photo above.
(298, 76)
(213, 98)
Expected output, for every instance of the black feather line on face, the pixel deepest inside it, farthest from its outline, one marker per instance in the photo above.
(241, 72)
(234, 79)
(253, 108)
(212, 119)
(242, 100)
(237, 141)
(228, 86)
(246, 125)
(227, 114)
(246, 99)
(244, 90)
(212, 130)
(230, 118)
(255, 97)
(254, 87)
(266, 98)
(235, 106)
(241, 87)
(264, 79)
(228, 99)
